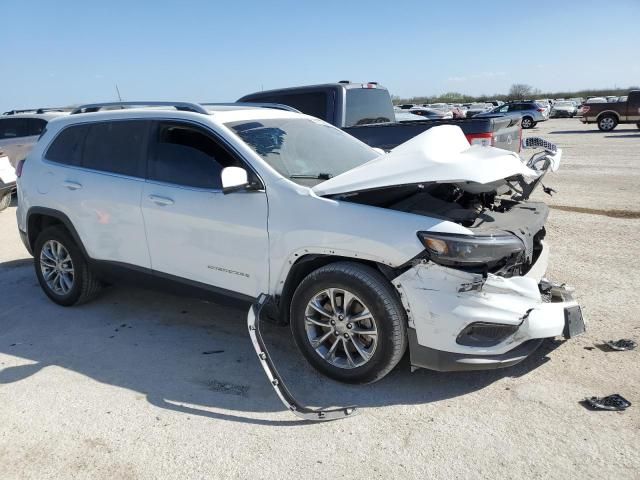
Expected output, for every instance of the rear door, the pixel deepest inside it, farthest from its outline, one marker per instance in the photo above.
(13, 138)
(194, 231)
(95, 175)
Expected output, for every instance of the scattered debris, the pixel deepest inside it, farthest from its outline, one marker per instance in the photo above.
(209, 352)
(622, 344)
(612, 402)
(589, 348)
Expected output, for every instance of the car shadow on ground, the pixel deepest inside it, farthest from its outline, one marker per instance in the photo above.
(613, 133)
(192, 356)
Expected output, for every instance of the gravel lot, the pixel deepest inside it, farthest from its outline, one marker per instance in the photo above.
(120, 387)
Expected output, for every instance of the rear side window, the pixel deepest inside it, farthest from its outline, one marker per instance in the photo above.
(36, 126)
(13, 128)
(368, 105)
(116, 147)
(312, 103)
(67, 147)
(186, 155)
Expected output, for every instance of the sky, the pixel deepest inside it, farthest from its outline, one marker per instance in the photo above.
(67, 52)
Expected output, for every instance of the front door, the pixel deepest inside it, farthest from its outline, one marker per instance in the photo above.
(194, 231)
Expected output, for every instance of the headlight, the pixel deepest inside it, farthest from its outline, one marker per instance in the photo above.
(472, 251)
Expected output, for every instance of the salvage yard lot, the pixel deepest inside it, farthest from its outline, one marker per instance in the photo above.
(122, 387)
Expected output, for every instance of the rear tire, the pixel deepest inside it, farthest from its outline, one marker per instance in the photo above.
(327, 332)
(607, 123)
(527, 122)
(62, 269)
(5, 201)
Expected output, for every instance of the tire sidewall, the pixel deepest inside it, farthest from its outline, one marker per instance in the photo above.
(77, 258)
(313, 285)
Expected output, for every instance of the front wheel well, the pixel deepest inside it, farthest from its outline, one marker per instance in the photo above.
(306, 264)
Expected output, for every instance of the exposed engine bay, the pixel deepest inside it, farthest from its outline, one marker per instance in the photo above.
(483, 213)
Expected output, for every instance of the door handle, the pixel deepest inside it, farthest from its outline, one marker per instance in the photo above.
(72, 185)
(162, 201)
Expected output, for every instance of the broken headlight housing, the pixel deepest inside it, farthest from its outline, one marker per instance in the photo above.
(482, 252)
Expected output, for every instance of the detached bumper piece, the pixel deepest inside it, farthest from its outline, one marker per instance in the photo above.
(306, 413)
(613, 402)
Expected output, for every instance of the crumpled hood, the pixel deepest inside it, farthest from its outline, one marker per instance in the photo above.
(441, 154)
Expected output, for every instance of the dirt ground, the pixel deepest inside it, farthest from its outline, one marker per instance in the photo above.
(120, 387)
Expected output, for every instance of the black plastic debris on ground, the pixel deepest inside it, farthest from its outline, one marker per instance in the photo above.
(613, 402)
(209, 352)
(621, 345)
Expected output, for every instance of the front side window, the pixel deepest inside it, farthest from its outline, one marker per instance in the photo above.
(187, 155)
(13, 128)
(304, 150)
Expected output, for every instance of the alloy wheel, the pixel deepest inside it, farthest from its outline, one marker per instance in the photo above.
(57, 267)
(341, 328)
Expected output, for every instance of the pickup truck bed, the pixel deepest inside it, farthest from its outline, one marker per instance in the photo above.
(501, 132)
(365, 110)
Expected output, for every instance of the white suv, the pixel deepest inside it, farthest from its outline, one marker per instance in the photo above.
(432, 245)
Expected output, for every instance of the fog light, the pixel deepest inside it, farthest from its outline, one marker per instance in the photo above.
(482, 334)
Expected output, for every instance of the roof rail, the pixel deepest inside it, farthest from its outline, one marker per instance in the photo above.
(37, 110)
(185, 106)
(277, 106)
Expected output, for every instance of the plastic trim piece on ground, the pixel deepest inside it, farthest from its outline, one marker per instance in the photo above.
(306, 413)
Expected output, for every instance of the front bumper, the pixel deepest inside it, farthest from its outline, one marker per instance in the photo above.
(442, 302)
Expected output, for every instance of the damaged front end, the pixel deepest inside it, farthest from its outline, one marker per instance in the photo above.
(476, 298)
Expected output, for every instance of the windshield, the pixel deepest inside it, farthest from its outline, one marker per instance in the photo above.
(303, 149)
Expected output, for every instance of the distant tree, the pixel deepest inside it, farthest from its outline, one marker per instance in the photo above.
(520, 91)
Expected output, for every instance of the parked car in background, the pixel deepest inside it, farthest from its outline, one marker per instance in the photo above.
(20, 129)
(530, 112)
(563, 108)
(430, 113)
(496, 103)
(608, 115)
(365, 110)
(476, 108)
(240, 201)
(7, 181)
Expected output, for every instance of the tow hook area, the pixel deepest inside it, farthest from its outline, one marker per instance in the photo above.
(306, 413)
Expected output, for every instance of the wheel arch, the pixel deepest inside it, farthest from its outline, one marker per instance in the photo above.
(303, 265)
(612, 113)
(40, 218)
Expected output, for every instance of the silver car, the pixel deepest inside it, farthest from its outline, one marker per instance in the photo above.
(20, 129)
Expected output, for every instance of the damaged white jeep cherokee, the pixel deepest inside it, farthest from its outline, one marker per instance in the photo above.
(433, 245)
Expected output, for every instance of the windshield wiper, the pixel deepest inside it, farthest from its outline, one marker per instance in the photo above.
(318, 176)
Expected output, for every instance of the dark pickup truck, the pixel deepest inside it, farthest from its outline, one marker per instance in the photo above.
(609, 114)
(365, 110)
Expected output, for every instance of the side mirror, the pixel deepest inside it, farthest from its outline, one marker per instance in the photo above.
(234, 179)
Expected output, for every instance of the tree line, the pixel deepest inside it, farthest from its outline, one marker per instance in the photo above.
(518, 91)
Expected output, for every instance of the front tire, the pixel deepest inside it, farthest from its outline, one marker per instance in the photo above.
(349, 323)
(607, 123)
(5, 201)
(62, 270)
(527, 122)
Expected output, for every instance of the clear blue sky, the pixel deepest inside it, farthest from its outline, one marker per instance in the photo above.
(60, 52)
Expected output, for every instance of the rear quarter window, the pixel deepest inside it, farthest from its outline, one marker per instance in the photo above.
(66, 148)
